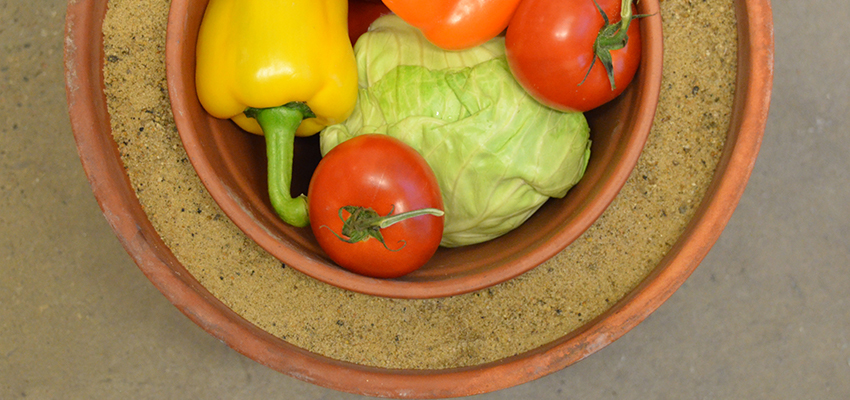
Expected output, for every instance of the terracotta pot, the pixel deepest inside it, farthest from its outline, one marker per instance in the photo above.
(112, 189)
(232, 166)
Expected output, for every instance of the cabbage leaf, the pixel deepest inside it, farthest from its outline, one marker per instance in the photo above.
(497, 153)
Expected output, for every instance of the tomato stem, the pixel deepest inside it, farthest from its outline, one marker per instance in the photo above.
(389, 220)
(364, 223)
(279, 125)
(611, 37)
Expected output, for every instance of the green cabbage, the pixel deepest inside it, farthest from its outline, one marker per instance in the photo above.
(497, 153)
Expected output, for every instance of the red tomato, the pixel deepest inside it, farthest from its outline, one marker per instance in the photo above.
(361, 14)
(380, 173)
(550, 48)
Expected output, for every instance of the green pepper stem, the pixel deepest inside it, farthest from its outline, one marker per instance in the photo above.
(279, 125)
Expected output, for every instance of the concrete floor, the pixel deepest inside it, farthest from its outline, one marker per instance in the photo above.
(766, 315)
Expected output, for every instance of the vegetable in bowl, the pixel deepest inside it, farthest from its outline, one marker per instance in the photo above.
(497, 153)
(375, 207)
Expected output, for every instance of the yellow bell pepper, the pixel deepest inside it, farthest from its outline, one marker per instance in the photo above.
(280, 69)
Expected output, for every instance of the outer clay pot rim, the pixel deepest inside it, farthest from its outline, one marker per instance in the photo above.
(112, 189)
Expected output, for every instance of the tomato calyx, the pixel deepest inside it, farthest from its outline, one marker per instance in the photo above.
(611, 37)
(364, 223)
